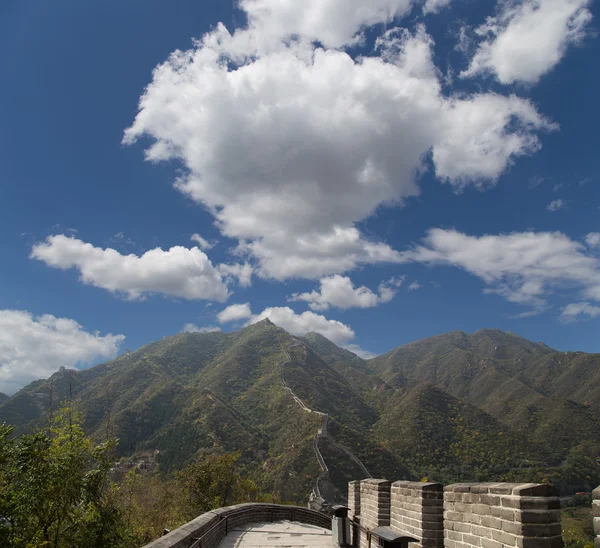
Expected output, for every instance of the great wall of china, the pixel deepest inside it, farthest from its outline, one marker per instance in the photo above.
(321, 432)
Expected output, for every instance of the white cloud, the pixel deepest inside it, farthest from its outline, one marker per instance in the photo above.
(290, 146)
(479, 142)
(193, 328)
(574, 310)
(234, 312)
(536, 181)
(243, 272)
(339, 292)
(178, 272)
(202, 243)
(593, 239)
(435, 6)
(334, 23)
(301, 324)
(360, 352)
(555, 205)
(414, 286)
(522, 267)
(35, 347)
(526, 39)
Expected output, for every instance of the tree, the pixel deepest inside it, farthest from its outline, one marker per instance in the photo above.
(55, 490)
(213, 481)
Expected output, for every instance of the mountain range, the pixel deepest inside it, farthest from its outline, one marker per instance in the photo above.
(455, 407)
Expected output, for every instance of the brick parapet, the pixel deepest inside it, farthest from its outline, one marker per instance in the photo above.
(501, 515)
(354, 499)
(417, 511)
(596, 515)
(374, 503)
(215, 524)
(374, 496)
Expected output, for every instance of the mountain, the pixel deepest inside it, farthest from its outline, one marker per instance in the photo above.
(448, 439)
(486, 406)
(550, 397)
(3, 397)
(216, 391)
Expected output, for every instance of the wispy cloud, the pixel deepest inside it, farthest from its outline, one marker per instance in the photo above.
(555, 205)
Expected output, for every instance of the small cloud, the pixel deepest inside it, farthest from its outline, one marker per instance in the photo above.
(585, 181)
(58, 227)
(414, 286)
(177, 272)
(529, 313)
(464, 40)
(192, 328)
(555, 205)
(360, 352)
(120, 240)
(535, 181)
(557, 187)
(435, 6)
(339, 292)
(576, 310)
(235, 312)
(202, 243)
(593, 239)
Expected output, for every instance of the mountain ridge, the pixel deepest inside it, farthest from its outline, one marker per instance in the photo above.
(487, 405)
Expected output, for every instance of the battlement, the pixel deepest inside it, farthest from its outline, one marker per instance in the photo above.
(463, 515)
(402, 513)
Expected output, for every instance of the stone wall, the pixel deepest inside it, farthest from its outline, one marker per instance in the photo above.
(374, 503)
(596, 514)
(213, 526)
(465, 515)
(354, 499)
(417, 510)
(500, 515)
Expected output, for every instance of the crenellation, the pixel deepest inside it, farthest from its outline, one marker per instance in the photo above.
(464, 515)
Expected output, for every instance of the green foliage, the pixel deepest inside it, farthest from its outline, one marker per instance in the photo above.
(150, 504)
(578, 531)
(213, 481)
(55, 489)
(487, 406)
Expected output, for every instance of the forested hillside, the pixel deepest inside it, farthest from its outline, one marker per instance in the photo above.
(487, 406)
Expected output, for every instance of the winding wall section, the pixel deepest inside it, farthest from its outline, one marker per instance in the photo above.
(321, 432)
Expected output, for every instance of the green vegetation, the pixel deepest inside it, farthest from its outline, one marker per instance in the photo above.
(55, 489)
(59, 490)
(577, 525)
(457, 407)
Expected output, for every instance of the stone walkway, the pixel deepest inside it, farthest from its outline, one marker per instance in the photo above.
(282, 534)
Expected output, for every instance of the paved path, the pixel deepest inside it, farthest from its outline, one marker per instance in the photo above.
(321, 432)
(279, 533)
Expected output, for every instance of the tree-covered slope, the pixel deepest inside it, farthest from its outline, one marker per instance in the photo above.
(213, 391)
(450, 440)
(550, 397)
(487, 406)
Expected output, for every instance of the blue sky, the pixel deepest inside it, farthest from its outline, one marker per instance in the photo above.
(377, 171)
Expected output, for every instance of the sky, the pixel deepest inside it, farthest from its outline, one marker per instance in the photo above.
(379, 171)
